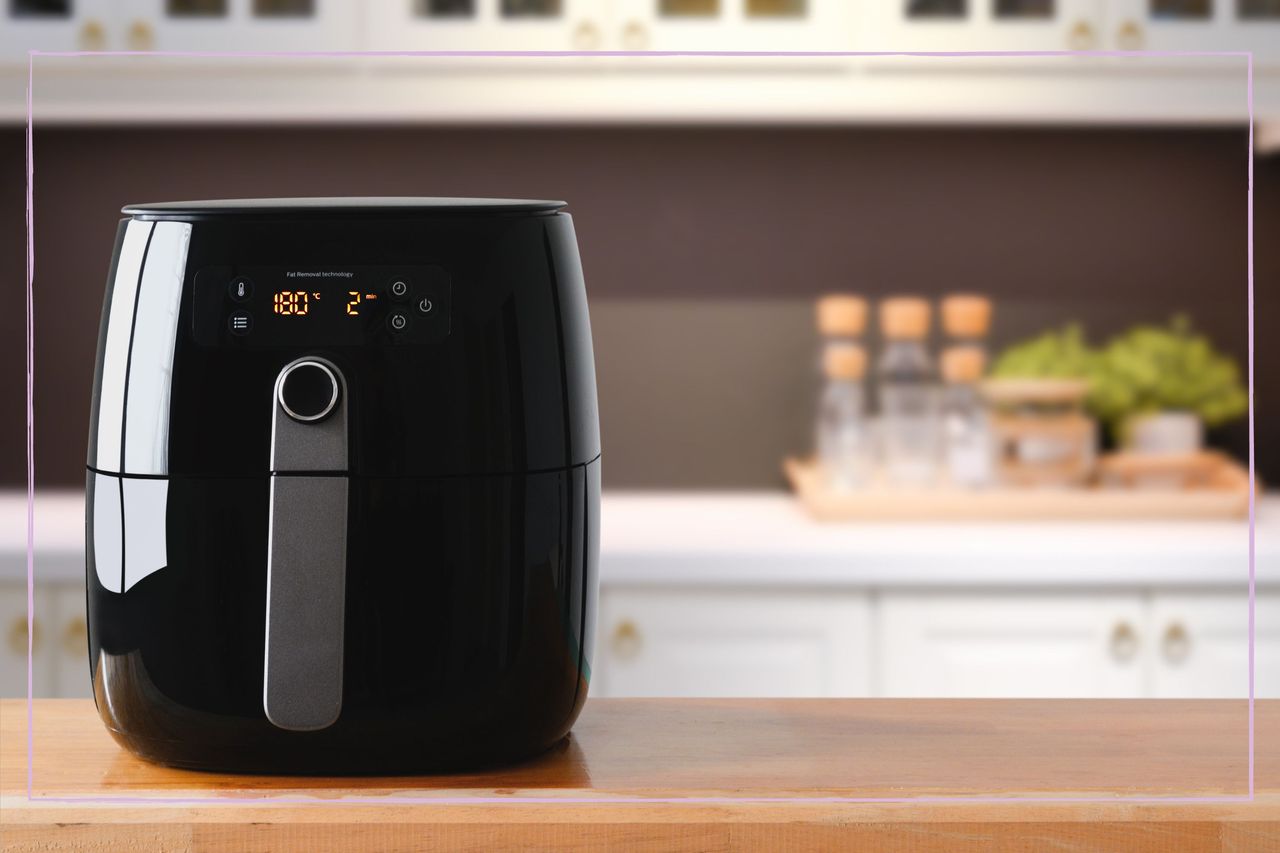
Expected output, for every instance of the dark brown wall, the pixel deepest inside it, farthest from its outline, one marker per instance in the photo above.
(702, 249)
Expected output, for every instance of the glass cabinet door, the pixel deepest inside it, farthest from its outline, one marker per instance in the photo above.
(487, 24)
(958, 25)
(1244, 25)
(750, 25)
(56, 25)
(241, 25)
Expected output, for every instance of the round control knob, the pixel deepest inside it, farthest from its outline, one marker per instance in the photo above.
(308, 391)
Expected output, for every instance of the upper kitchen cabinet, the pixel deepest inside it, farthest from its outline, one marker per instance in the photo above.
(55, 25)
(734, 25)
(977, 25)
(487, 24)
(1196, 25)
(237, 25)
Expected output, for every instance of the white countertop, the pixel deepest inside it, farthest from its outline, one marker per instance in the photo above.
(765, 538)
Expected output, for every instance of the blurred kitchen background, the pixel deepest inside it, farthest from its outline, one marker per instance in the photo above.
(1057, 540)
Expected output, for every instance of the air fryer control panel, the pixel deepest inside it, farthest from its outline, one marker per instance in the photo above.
(253, 307)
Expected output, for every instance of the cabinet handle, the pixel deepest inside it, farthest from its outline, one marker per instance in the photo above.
(18, 636)
(1083, 36)
(75, 639)
(626, 640)
(586, 36)
(140, 36)
(93, 35)
(1130, 36)
(1124, 643)
(1176, 644)
(635, 36)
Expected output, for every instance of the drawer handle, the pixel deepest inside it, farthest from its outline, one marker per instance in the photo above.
(626, 640)
(1176, 644)
(141, 36)
(1124, 643)
(75, 639)
(93, 36)
(586, 36)
(635, 36)
(18, 636)
(1129, 36)
(1083, 36)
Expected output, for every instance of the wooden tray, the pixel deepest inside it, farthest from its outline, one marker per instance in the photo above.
(1227, 497)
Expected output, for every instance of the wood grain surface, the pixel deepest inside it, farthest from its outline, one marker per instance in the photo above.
(703, 775)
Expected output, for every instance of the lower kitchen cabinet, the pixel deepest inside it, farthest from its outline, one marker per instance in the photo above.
(953, 644)
(665, 640)
(732, 642)
(1199, 645)
(60, 644)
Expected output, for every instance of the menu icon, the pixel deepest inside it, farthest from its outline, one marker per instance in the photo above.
(240, 323)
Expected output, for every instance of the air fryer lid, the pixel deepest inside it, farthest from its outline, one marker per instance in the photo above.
(495, 376)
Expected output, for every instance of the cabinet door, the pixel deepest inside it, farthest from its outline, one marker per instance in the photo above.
(992, 645)
(69, 643)
(55, 25)
(241, 25)
(1200, 645)
(698, 25)
(677, 642)
(1195, 25)
(487, 24)
(957, 25)
(13, 642)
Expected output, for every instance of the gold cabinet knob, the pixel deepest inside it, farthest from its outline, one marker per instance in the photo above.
(1083, 36)
(586, 36)
(635, 36)
(1176, 644)
(93, 35)
(626, 640)
(75, 637)
(1130, 36)
(1124, 643)
(140, 36)
(18, 636)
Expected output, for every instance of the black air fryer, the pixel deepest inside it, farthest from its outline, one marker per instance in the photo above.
(344, 484)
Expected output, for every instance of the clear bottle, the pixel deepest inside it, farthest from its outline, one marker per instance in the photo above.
(908, 394)
(968, 447)
(966, 318)
(843, 433)
(842, 319)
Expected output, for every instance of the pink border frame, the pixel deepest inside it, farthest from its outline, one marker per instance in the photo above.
(266, 799)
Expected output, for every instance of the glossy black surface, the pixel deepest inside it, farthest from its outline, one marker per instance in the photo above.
(511, 388)
(464, 634)
(472, 463)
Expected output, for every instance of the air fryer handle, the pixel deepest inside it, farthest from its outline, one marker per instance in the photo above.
(307, 552)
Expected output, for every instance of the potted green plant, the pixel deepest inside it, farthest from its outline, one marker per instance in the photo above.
(1156, 387)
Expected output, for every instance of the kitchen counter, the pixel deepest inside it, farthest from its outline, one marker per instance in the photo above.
(765, 538)
(703, 775)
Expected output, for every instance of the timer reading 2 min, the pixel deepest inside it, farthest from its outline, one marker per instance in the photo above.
(297, 303)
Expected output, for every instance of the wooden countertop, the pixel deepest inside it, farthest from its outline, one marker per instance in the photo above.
(704, 774)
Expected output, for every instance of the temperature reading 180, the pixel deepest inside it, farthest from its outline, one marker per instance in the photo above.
(291, 303)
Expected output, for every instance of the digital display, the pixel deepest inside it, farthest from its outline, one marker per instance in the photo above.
(346, 306)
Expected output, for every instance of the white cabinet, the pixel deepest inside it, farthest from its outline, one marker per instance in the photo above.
(743, 25)
(238, 25)
(60, 654)
(959, 644)
(55, 25)
(1199, 645)
(959, 25)
(732, 642)
(1195, 25)
(487, 24)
